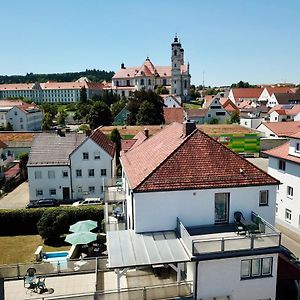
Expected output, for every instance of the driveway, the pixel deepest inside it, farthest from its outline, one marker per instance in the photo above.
(18, 198)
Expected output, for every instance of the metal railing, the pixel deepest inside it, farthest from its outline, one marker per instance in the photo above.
(266, 237)
(164, 291)
(72, 266)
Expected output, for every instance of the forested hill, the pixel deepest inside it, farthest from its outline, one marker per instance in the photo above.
(93, 75)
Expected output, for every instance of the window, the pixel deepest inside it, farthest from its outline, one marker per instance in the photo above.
(85, 155)
(51, 174)
(103, 172)
(215, 107)
(65, 173)
(21, 126)
(263, 198)
(91, 173)
(175, 52)
(78, 173)
(164, 81)
(257, 267)
(52, 192)
(16, 113)
(39, 193)
(21, 120)
(128, 82)
(37, 174)
(288, 215)
(220, 113)
(123, 93)
(149, 81)
(92, 189)
(97, 155)
(185, 84)
(298, 147)
(142, 82)
(79, 189)
(281, 165)
(290, 192)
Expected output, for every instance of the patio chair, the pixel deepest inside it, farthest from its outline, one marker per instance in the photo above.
(238, 217)
(30, 278)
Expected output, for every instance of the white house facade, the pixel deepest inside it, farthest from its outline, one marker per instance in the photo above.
(184, 190)
(69, 166)
(284, 164)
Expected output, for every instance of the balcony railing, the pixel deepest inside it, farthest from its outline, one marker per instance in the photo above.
(266, 237)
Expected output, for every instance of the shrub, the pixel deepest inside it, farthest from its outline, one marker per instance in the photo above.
(50, 223)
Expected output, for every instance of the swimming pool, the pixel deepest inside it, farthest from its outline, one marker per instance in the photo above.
(56, 258)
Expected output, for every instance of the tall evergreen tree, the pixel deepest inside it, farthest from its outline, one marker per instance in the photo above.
(99, 114)
(83, 95)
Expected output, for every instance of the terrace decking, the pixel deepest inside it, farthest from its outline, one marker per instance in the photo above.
(218, 239)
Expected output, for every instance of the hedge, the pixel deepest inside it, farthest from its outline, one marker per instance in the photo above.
(46, 221)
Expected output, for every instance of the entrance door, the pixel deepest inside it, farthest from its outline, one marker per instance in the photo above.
(221, 208)
(66, 193)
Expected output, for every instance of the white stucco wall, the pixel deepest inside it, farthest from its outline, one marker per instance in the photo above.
(46, 183)
(77, 162)
(266, 132)
(222, 277)
(251, 122)
(289, 177)
(158, 210)
(272, 101)
(264, 95)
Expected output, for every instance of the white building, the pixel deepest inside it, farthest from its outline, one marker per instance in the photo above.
(52, 92)
(269, 91)
(183, 189)
(278, 129)
(176, 78)
(70, 166)
(283, 98)
(284, 164)
(22, 116)
(237, 95)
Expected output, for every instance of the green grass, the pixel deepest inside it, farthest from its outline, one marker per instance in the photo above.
(127, 136)
(191, 105)
(20, 249)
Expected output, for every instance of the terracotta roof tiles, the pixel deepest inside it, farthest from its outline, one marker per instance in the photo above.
(171, 161)
(103, 141)
(173, 114)
(283, 128)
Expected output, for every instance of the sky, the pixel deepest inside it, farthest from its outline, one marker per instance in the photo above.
(225, 41)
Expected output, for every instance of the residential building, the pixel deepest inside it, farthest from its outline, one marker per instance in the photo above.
(175, 78)
(175, 178)
(285, 112)
(269, 91)
(174, 114)
(285, 98)
(121, 117)
(284, 164)
(237, 95)
(171, 101)
(52, 92)
(22, 116)
(279, 129)
(252, 117)
(70, 166)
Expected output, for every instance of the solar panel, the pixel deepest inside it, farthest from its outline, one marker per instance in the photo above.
(287, 106)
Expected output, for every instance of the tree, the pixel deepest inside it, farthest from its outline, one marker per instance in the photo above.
(235, 117)
(116, 138)
(50, 108)
(81, 111)
(99, 114)
(214, 121)
(242, 84)
(154, 110)
(117, 107)
(83, 95)
(23, 157)
(47, 122)
(62, 115)
(162, 90)
(9, 127)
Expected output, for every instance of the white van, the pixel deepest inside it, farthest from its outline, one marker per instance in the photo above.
(88, 201)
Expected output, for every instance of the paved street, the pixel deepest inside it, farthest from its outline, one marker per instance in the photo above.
(18, 198)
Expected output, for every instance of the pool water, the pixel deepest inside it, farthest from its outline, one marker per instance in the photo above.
(55, 258)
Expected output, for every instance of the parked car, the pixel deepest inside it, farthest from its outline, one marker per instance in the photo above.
(42, 203)
(88, 201)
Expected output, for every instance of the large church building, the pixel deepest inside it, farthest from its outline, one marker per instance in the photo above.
(176, 78)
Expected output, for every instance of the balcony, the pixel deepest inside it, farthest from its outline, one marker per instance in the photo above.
(223, 238)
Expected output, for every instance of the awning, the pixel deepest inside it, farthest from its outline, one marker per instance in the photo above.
(129, 249)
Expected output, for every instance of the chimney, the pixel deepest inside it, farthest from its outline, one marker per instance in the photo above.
(188, 127)
(122, 66)
(88, 132)
(146, 132)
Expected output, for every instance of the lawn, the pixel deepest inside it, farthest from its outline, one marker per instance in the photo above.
(191, 105)
(20, 249)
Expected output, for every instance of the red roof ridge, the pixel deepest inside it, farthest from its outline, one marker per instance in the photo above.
(103, 141)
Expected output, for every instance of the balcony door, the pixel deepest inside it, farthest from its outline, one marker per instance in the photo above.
(221, 208)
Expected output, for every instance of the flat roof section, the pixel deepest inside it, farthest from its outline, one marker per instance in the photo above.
(129, 249)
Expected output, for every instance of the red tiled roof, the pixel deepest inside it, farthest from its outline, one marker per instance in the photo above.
(103, 141)
(173, 114)
(16, 86)
(247, 93)
(127, 144)
(12, 171)
(196, 112)
(282, 152)
(278, 89)
(243, 104)
(280, 112)
(283, 128)
(63, 85)
(148, 70)
(140, 137)
(2, 145)
(171, 161)
(293, 111)
(228, 105)
(18, 103)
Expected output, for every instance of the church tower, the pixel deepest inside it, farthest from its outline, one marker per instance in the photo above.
(177, 60)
